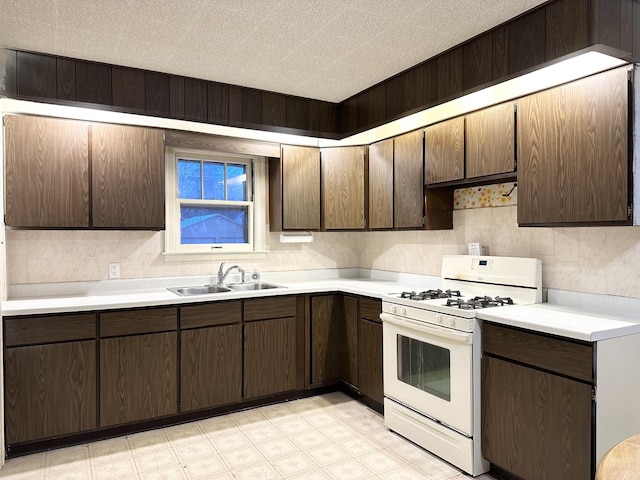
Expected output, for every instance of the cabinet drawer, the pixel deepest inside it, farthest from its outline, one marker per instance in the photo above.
(48, 329)
(208, 314)
(272, 307)
(131, 322)
(370, 308)
(553, 354)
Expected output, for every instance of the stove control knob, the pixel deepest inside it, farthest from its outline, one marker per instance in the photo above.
(394, 309)
(403, 311)
(439, 319)
(450, 322)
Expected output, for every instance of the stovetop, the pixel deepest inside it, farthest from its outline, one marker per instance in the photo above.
(472, 283)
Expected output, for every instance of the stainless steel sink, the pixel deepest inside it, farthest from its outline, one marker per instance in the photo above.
(253, 286)
(198, 290)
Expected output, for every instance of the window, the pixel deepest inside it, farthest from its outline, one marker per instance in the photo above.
(211, 203)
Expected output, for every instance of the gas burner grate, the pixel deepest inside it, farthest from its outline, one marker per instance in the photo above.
(479, 302)
(430, 294)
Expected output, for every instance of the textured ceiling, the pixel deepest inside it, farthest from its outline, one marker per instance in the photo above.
(324, 49)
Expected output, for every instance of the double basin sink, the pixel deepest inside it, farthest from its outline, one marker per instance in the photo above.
(234, 287)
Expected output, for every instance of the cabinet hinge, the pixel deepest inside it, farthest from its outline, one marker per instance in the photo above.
(629, 212)
(593, 394)
(424, 221)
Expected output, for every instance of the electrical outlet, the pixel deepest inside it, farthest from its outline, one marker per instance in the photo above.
(114, 270)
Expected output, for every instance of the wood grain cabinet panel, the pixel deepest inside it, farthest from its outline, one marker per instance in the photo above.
(33, 330)
(270, 307)
(327, 338)
(370, 380)
(128, 89)
(349, 333)
(490, 141)
(93, 82)
(210, 367)
(36, 75)
(381, 184)
(210, 314)
(444, 151)
(535, 424)
(573, 147)
(269, 357)
(295, 189)
(47, 172)
(407, 180)
(128, 177)
(138, 378)
(50, 390)
(343, 187)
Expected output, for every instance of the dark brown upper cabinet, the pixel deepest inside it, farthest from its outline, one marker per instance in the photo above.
(47, 172)
(381, 184)
(573, 153)
(127, 177)
(444, 151)
(93, 83)
(490, 141)
(343, 188)
(408, 197)
(294, 188)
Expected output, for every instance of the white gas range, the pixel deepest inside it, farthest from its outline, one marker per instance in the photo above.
(432, 352)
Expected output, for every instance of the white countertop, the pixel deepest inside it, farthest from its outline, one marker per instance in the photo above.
(553, 318)
(571, 322)
(161, 296)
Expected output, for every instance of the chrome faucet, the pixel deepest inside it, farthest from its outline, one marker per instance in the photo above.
(222, 275)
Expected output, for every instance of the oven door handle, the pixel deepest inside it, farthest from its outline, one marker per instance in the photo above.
(447, 333)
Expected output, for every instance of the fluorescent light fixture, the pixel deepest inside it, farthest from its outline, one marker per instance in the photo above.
(558, 73)
(296, 237)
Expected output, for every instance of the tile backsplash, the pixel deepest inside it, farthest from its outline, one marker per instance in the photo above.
(585, 259)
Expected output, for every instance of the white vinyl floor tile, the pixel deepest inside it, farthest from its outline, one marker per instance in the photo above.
(327, 437)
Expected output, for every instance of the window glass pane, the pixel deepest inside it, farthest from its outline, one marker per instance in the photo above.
(424, 366)
(215, 224)
(236, 182)
(213, 181)
(189, 185)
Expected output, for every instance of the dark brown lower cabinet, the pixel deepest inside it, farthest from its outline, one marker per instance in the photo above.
(269, 356)
(50, 390)
(211, 367)
(138, 377)
(328, 338)
(535, 424)
(370, 359)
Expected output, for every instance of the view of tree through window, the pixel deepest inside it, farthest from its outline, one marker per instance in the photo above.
(214, 186)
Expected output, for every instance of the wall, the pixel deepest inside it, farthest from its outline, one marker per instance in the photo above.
(589, 259)
(40, 256)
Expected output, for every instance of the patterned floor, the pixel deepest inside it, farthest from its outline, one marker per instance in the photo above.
(327, 437)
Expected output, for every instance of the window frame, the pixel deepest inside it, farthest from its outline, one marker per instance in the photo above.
(255, 203)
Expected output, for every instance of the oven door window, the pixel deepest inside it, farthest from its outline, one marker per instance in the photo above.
(425, 366)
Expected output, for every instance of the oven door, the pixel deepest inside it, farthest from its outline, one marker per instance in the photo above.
(428, 369)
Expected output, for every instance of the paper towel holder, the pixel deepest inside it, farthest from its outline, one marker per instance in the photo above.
(296, 237)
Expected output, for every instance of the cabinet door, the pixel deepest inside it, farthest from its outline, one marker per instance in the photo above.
(444, 151)
(573, 149)
(327, 321)
(370, 349)
(138, 377)
(210, 367)
(50, 390)
(300, 188)
(47, 172)
(127, 177)
(269, 357)
(381, 184)
(343, 180)
(407, 180)
(535, 424)
(490, 141)
(349, 334)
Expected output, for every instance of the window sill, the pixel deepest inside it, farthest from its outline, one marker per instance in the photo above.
(195, 256)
